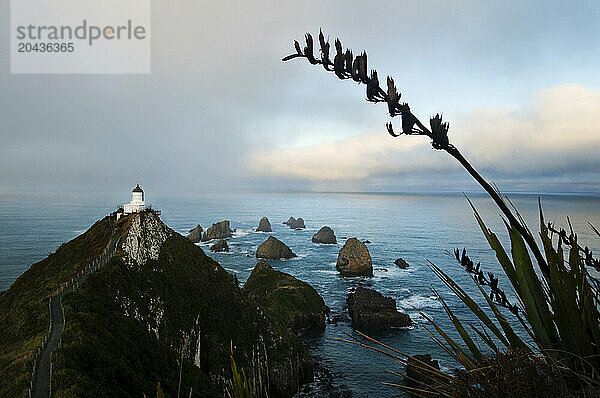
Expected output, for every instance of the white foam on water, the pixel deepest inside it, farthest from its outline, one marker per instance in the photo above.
(327, 271)
(319, 245)
(229, 252)
(241, 232)
(418, 302)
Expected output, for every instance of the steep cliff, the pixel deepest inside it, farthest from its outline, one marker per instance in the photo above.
(24, 314)
(160, 294)
(127, 324)
(292, 302)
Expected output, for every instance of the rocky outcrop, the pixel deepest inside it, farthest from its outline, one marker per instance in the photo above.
(264, 225)
(154, 322)
(146, 235)
(273, 249)
(370, 310)
(419, 370)
(298, 224)
(401, 263)
(220, 246)
(195, 234)
(354, 259)
(219, 230)
(294, 302)
(325, 235)
(295, 223)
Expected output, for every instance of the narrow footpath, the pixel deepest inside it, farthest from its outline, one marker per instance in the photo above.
(43, 370)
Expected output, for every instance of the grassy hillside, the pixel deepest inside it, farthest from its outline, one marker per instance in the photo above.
(24, 313)
(127, 323)
(292, 302)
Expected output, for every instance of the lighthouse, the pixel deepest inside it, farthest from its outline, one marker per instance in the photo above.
(137, 203)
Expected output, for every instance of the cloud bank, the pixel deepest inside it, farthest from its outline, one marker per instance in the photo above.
(555, 134)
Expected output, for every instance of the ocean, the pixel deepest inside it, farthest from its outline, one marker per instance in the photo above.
(417, 227)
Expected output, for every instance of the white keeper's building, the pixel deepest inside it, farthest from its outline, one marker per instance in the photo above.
(137, 203)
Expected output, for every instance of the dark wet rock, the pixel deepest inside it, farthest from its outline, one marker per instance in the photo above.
(195, 234)
(220, 246)
(213, 314)
(290, 220)
(325, 235)
(219, 230)
(264, 225)
(274, 249)
(370, 310)
(418, 371)
(286, 298)
(334, 317)
(354, 259)
(297, 224)
(366, 241)
(400, 262)
(327, 382)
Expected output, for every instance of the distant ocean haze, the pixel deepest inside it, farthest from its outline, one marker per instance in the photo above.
(416, 227)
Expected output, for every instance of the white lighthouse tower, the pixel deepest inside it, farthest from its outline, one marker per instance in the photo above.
(137, 203)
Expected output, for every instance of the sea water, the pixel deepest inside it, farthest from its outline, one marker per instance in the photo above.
(420, 228)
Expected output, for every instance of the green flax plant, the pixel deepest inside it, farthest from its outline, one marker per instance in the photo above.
(555, 282)
(240, 385)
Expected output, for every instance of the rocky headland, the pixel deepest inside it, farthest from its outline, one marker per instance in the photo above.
(293, 302)
(127, 325)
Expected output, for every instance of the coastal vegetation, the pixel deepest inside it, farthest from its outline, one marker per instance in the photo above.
(160, 311)
(24, 312)
(290, 301)
(553, 275)
(128, 323)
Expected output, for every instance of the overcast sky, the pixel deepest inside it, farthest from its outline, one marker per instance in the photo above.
(519, 83)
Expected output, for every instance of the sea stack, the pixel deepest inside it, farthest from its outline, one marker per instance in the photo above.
(264, 225)
(325, 236)
(298, 224)
(354, 259)
(273, 249)
(370, 310)
(401, 263)
(295, 223)
(219, 230)
(220, 246)
(195, 234)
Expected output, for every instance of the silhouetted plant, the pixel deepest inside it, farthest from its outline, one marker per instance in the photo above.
(346, 66)
(558, 311)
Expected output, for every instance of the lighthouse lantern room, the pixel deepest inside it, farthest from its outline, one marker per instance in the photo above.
(137, 203)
